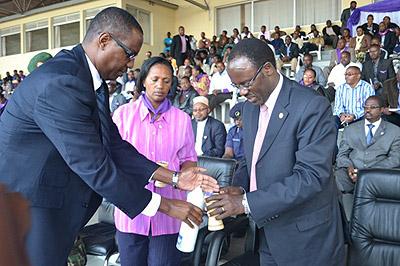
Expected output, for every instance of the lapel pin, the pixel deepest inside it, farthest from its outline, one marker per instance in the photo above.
(382, 133)
(280, 115)
(205, 137)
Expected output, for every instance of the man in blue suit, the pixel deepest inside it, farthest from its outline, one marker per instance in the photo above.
(289, 141)
(61, 150)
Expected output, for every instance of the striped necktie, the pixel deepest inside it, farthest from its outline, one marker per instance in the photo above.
(103, 106)
(370, 135)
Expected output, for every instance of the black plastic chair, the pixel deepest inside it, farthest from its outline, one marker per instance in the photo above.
(99, 238)
(222, 170)
(375, 226)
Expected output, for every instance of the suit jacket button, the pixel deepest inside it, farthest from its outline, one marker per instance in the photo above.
(85, 205)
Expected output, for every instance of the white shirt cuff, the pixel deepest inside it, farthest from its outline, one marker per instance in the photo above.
(153, 206)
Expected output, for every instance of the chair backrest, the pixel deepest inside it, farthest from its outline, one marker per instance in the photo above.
(106, 212)
(221, 169)
(375, 221)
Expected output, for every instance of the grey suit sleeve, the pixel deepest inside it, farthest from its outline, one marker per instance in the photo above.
(76, 137)
(343, 157)
(312, 171)
(393, 158)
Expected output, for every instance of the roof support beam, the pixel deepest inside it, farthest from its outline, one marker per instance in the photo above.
(163, 3)
(202, 6)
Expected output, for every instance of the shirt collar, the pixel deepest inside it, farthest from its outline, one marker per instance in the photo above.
(144, 112)
(270, 103)
(97, 81)
(376, 123)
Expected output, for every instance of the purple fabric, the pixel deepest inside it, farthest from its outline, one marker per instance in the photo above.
(162, 108)
(380, 7)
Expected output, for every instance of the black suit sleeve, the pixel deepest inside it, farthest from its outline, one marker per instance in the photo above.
(219, 133)
(173, 47)
(120, 177)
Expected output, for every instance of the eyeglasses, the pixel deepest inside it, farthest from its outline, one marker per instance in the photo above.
(199, 110)
(250, 83)
(371, 107)
(129, 53)
(350, 74)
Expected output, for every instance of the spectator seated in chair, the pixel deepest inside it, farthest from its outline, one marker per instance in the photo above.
(331, 33)
(288, 55)
(184, 98)
(369, 143)
(377, 70)
(350, 97)
(309, 81)
(308, 60)
(220, 87)
(390, 97)
(210, 134)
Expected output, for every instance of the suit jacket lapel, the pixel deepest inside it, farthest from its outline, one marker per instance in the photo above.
(194, 125)
(360, 131)
(207, 131)
(277, 118)
(380, 131)
(250, 127)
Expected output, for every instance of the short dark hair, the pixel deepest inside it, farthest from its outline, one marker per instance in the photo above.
(346, 52)
(309, 55)
(198, 68)
(115, 20)
(370, 16)
(311, 70)
(257, 51)
(186, 77)
(377, 98)
(360, 27)
(147, 65)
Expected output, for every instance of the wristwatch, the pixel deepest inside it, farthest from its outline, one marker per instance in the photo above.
(245, 204)
(175, 179)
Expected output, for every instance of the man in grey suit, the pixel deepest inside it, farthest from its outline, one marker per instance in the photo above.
(363, 148)
(289, 141)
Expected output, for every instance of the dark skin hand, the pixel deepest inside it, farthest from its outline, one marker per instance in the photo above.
(227, 203)
(182, 210)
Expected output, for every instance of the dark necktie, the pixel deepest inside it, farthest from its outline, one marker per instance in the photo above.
(104, 114)
(369, 135)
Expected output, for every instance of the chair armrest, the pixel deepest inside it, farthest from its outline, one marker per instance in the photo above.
(217, 238)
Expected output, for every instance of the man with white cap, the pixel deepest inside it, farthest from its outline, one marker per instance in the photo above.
(210, 134)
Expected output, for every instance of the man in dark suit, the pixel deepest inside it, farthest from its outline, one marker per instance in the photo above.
(288, 54)
(331, 33)
(369, 143)
(209, 133)
(390, 97)
(61, 150)
(180, 47)
(370, 27)
(289, 141)
(346, 13)
(377, 70)
(388, 38)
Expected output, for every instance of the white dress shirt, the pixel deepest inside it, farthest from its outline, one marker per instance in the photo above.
(220, 81)
(199, 136)
(154, 204)
(376, 125)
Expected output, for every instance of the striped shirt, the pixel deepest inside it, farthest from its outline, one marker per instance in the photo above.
(170, 138)
(351, 101)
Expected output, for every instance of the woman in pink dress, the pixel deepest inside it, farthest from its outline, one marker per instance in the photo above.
(164, 135)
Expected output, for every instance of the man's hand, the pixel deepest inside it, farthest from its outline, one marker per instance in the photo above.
(386, 111)
(352, 173)
(215, 92)
(226, 204)
(192, 177)
(182, 210)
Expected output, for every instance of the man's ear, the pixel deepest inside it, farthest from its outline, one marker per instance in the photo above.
(103, 39)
